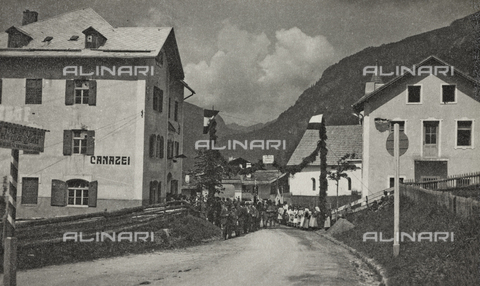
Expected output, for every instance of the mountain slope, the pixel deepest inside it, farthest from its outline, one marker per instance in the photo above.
(342, 83)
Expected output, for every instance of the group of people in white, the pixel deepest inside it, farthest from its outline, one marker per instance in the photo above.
(300, 217)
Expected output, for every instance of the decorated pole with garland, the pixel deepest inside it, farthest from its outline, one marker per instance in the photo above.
(317, 122)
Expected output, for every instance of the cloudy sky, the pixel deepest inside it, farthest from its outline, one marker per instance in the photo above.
(251, 59)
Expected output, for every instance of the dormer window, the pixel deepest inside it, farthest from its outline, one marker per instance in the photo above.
(93, 38)
(17, 38)
(47, 39)
(73, 38)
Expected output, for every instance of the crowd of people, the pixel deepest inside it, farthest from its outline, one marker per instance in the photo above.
(238, 217)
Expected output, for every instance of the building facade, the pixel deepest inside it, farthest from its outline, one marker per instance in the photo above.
(112, 99)
(341, 140)
(438, 112)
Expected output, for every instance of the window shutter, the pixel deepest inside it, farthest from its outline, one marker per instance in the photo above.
(92, 92)
(67, 142)
(162, 147)
(69, 92)
(59, 193)
(38, 91)
(92, 193)
(90, 143)
(29, 190)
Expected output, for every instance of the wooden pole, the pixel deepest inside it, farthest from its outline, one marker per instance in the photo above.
(10, 254)
(396, 206)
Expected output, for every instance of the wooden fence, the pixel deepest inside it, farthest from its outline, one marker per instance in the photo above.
(35, 232)
(451, 182)
(463, 207)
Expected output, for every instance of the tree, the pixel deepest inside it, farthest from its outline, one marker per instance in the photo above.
(209, 170)
(339, 170)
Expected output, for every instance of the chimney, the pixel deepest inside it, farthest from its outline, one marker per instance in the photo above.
(29, 17)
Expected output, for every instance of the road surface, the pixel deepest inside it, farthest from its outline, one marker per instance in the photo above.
(279, 256)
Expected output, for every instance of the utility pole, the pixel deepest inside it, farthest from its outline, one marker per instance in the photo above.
(396, 192)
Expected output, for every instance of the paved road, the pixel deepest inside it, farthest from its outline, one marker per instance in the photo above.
(281, 256)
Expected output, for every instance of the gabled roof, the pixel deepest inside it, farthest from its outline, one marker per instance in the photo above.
(431, 60)
(125, 42)
(341, 140)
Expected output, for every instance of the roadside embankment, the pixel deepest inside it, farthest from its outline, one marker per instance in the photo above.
(429, 261)
(179, 231)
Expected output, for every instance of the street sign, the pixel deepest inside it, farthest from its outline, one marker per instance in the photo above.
(403, 143)
(20, 137)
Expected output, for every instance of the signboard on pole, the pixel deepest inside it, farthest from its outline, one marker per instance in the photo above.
(16, 137)
(20, 137)
(268, 159)
(403, 143)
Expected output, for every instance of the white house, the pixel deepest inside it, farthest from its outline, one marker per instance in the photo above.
(341, 140)
(112, 99)
(439, 113)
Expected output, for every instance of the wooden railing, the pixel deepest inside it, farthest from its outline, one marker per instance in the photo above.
(36, 232)
(451, 182)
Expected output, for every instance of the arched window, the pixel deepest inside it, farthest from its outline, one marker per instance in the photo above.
(314, 187)
(152, 145)
(349, 183)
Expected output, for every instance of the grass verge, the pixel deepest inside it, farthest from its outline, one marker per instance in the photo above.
(420, 263)
(184, 231)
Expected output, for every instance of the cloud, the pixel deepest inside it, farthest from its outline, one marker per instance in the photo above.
(156, 18)
(252, 78)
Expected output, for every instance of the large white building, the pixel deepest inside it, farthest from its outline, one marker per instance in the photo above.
(112, 99)
(439, 113)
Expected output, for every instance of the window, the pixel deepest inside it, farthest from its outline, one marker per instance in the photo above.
(78, 142)
(392, 181)
(29, 191)
(162, 147)
(76, 192)
(175, 112)
(0, 91)
(157, 153)
(414, 94)
(350, 183)
(177, 148)
(314, 187)
(464, 133)
(174, 187)
(33, 91)
(81, 92)
(448, 93)
(400, 123)
(153, 146)
(157, 99)
(169, 149)
(159, 59)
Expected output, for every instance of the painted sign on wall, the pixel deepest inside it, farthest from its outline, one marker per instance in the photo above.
(16, 136)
